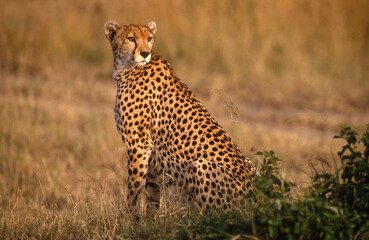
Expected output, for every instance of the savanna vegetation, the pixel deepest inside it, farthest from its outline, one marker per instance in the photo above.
(277, 75)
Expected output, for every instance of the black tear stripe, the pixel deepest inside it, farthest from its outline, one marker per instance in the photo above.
(134, 50)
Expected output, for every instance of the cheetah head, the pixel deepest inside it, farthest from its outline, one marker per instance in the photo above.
(131, 44)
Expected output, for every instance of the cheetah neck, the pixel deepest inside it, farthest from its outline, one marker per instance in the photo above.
(122, 66)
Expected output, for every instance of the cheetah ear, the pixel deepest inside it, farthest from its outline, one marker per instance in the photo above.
(111, 29)
(152, 27)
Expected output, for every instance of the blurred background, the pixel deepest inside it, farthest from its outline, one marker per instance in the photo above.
(277, 75)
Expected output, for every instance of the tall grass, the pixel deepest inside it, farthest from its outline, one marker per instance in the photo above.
(273, 73)
(305, 46)
(233, 37)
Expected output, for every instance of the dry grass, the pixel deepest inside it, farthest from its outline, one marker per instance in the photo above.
(278, 76)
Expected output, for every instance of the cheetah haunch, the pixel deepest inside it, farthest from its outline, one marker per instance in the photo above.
(172, 139)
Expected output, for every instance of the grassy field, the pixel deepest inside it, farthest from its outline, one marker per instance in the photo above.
(276, 75)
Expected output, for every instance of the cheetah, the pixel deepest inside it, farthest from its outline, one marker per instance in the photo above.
(170, 136)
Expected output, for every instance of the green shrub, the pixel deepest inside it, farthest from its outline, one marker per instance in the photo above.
(336, 206)
(348, 189)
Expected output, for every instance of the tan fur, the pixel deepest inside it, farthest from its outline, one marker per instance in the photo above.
(172, 139)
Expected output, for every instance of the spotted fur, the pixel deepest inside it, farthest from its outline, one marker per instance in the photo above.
(172, 139)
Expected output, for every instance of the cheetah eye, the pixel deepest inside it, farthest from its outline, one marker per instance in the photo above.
(131, 39)
(149, 39)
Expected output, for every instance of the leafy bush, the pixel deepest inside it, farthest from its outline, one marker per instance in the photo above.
(348, 189)
(336, 207)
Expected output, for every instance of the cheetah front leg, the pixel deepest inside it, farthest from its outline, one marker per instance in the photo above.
(138, 159)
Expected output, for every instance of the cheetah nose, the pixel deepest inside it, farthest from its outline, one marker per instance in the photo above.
(145, 54)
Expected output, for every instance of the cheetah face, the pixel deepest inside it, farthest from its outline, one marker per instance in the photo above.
(131, 44)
